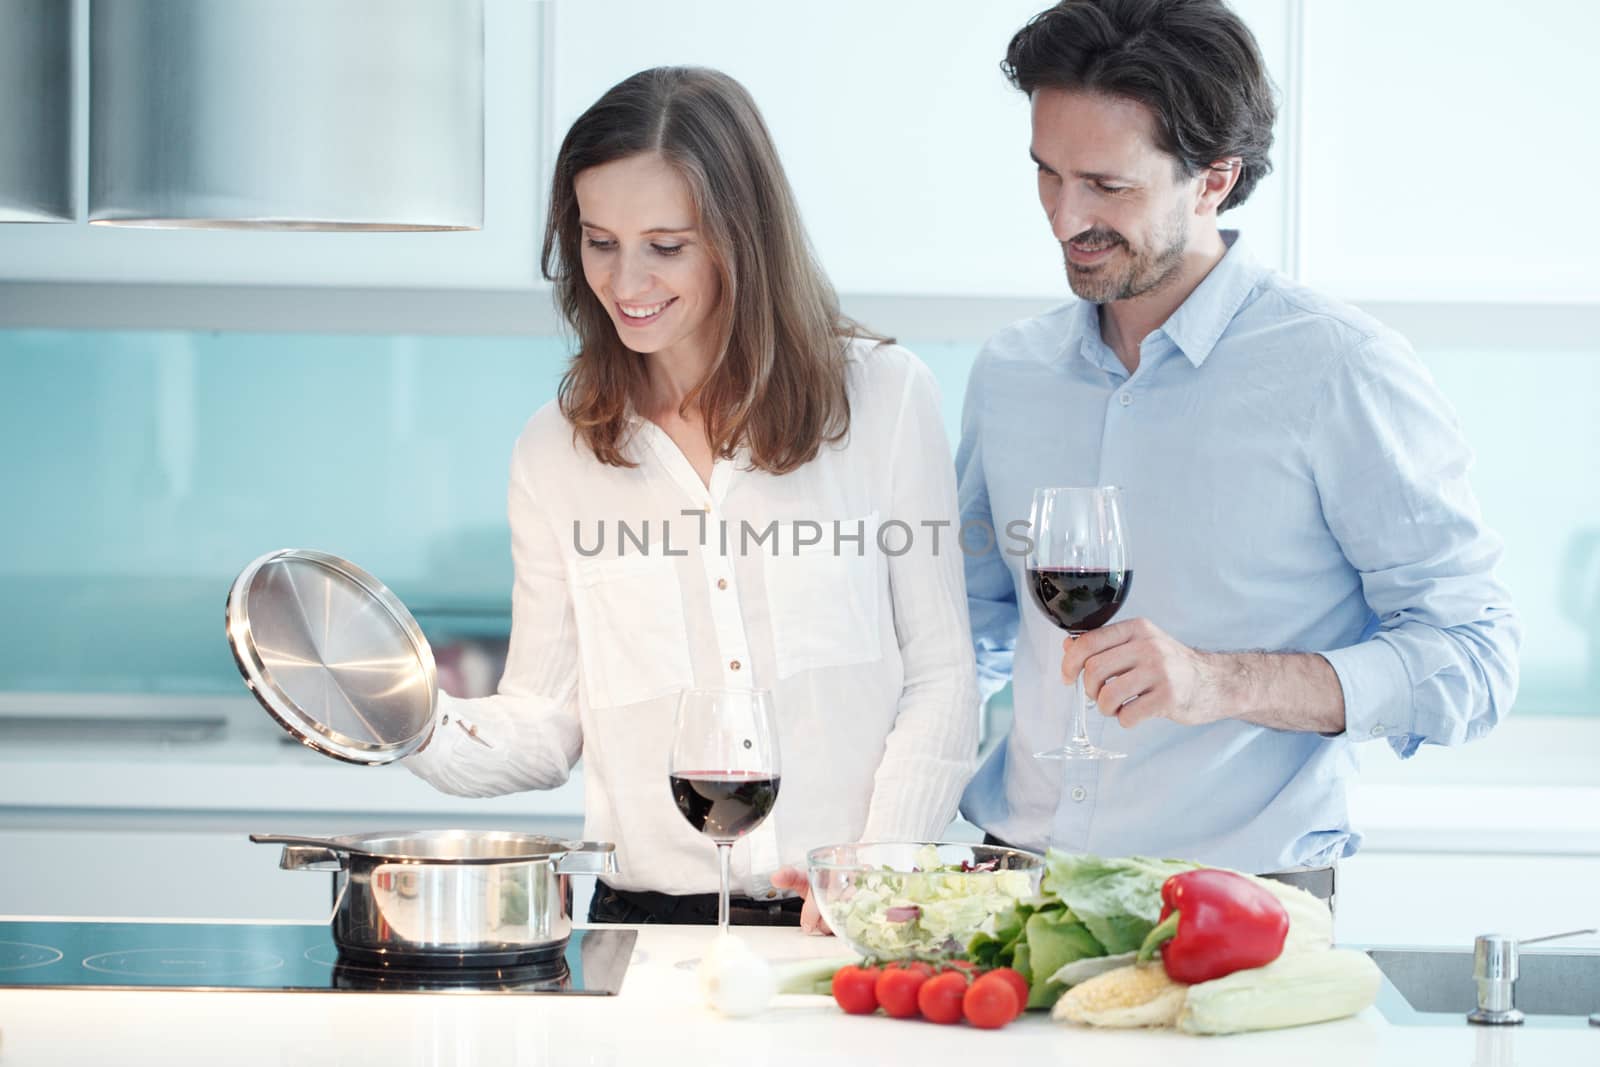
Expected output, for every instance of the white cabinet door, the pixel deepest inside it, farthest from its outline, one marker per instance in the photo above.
(503, 255)
(1450, 150)
(1264, 219)
(1449, 898)
(193, 865)
(153, 874)
(906, 146)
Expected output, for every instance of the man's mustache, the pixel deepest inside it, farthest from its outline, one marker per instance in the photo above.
(1098, 238)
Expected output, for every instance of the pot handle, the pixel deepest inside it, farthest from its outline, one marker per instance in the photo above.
(587, 857)
(310, 858)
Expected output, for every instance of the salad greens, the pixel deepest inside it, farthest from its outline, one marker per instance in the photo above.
(1088, 906)
(925, 912)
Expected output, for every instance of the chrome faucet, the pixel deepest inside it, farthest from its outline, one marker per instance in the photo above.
(1494, 967)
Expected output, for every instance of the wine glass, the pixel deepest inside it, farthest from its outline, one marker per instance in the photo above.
(724, 768)
(1079, 574)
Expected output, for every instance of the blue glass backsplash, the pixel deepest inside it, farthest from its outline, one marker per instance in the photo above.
(143, 470)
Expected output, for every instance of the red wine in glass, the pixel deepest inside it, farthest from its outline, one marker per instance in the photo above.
(723, 768)
(724, 805)
(1079, 575)
(1079, 600)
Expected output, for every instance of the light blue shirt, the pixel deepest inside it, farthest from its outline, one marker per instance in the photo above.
(1293, 481)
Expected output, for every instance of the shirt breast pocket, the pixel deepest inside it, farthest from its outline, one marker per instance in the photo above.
(632, 640)
(823, 603)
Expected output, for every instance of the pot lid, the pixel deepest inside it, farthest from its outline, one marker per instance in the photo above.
(332, 655)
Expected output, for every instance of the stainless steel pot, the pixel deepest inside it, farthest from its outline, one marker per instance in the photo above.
(448, 897)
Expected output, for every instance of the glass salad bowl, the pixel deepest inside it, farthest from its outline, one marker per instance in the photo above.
(917, 899)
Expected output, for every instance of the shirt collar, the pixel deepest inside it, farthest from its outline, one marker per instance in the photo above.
(1083, 339)
(1201, 320)
(1197, 325)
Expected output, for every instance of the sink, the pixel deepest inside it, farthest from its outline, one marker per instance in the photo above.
(1439, 981)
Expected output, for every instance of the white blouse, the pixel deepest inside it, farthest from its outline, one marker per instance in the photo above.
(862, 638)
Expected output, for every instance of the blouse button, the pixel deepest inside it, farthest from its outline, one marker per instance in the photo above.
(734, 665)
(722, 583)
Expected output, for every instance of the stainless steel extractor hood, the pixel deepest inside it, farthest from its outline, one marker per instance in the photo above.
(287, 114)
(37, 176)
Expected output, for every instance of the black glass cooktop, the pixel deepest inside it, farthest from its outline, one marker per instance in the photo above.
(261, 956)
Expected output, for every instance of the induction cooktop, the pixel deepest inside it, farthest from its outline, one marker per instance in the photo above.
(275, 957)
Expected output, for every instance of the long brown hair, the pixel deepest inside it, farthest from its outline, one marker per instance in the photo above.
(777, 380)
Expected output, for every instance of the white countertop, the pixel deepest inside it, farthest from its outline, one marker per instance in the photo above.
(658, 1020)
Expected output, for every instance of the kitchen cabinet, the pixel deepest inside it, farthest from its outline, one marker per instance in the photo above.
(1449, 155)
(192, 865)
(501, 256)
(907, 148)
(102, 823)
(1449, 898)
(905, 144)
(153, 874)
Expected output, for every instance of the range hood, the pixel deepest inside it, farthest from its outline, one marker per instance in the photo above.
(37, 175)
(286, 114)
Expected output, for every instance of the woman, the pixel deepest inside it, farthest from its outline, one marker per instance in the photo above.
(718, 391)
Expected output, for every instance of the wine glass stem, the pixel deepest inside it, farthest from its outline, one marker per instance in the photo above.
(1080, 714)
(725, 858)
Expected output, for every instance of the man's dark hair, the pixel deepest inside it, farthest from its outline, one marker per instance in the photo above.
(1193, 63)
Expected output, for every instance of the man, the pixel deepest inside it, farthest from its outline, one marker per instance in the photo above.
(1312, 568)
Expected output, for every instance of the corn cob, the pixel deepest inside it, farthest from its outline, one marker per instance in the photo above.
(1127, 997)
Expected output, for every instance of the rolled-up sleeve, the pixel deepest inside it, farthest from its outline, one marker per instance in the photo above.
(928, 756)
(528, 735)
(1439, 662)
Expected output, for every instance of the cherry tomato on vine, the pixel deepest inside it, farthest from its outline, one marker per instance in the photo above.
(898, 986)
(855, 989)
(940, 997)
(1018, 984)
(990, 1002)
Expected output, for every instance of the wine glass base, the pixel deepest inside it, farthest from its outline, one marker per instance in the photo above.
(1075, 750)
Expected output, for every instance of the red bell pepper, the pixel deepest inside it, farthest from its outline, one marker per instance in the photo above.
(1213, 923)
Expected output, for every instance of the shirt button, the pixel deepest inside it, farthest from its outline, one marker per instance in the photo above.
(1079, 793)
(1379, 730)
(772, 894)
(722, 583)
(734, 665)
(1125, 398)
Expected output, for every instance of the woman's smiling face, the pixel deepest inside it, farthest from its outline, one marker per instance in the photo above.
(645, 258)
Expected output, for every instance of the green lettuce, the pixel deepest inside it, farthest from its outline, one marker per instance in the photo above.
(1055, 939)
(1119, 900)
(1087, 907)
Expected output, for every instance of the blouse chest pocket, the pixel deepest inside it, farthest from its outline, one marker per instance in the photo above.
(823, 602)
(632, 640)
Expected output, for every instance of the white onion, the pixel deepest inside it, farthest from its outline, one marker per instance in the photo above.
(734, 980)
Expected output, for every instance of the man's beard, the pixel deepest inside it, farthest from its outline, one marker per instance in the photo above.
(1138, 271)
